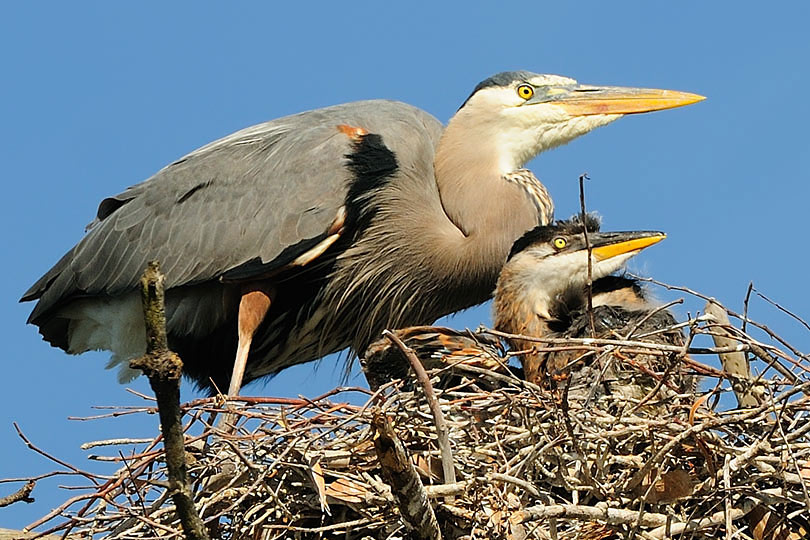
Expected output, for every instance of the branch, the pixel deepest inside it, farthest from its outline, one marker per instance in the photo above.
(442, 431)
(401, 475)
(21, 494)
(10, 534)
(612, 516)
(734, 363)
(164, 369)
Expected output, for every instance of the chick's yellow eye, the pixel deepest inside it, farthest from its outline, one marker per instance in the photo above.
(525, 91)
(560, 243)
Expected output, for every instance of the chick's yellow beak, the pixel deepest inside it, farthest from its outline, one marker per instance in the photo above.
(626, 243)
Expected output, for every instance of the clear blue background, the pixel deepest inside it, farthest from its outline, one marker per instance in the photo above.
(99, 96)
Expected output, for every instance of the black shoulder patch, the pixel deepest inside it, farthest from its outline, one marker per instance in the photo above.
(372, 165)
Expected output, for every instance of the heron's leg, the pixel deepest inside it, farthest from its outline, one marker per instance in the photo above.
(253, 306)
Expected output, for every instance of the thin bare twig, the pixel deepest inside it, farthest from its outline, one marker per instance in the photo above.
(589, 282)
(745, 305)
(783, 310)
(448, 467)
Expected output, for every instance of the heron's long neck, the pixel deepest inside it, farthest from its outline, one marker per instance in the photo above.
(523, 300)
(469, 175)
(521, 307)
(488, 211)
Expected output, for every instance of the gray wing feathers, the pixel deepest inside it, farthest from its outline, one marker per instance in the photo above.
(250, 194)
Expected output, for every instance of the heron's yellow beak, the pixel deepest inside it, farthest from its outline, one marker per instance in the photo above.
(583, 100)
(629, 242)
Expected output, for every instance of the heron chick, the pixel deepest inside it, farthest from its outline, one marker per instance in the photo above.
(308, 234)
(542, 293)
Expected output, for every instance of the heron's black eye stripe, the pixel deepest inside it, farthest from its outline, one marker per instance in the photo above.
(525, 91)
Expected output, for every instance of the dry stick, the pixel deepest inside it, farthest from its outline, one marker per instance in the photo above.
(65, 464)
(593, 343)
(762, 327)
(589, 284)
(406, 487)
(164, 369)
(674, 360)
(790, 453)
(783, 309)
(697, 524)
(36, 478)
(113, 442)
(734, 363)
(727, 497)
(21, 494)
(651, 314)
(612, 516)
(10, 534)
(442, 432)
(132, 478)
(745, 304)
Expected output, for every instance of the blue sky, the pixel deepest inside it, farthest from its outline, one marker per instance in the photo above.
(99, 96)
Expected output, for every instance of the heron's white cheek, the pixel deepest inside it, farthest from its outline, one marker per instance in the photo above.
(528, 131)
(608, 266)
(563, 132)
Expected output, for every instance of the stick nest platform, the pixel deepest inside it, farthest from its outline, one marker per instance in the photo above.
(529, 462)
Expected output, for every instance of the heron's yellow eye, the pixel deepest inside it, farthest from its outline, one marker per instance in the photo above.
(560, 242)
(525, 91)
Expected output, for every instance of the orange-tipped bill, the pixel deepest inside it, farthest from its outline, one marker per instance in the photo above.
(609, 245)
(585, 100)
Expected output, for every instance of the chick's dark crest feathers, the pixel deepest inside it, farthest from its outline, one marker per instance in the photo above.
(545, 233)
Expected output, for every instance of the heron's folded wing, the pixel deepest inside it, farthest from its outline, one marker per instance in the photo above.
(263, 191)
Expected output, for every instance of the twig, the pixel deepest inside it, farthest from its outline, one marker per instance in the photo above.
(651, 314)
(10, 534)
(113, 442)
(674, 360)
(762, 327)
(594, 343)
(677, 529)
(164, 369)
(65, 464)
(791, 454)
(603, 513)
(589, 283)
(727, 497)
(745, 305)
(442, 432)
(783, 310)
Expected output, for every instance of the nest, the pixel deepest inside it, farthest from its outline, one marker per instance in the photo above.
(528, 461)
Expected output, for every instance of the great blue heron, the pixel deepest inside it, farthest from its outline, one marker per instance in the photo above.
(542, 293)
(304, 235)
